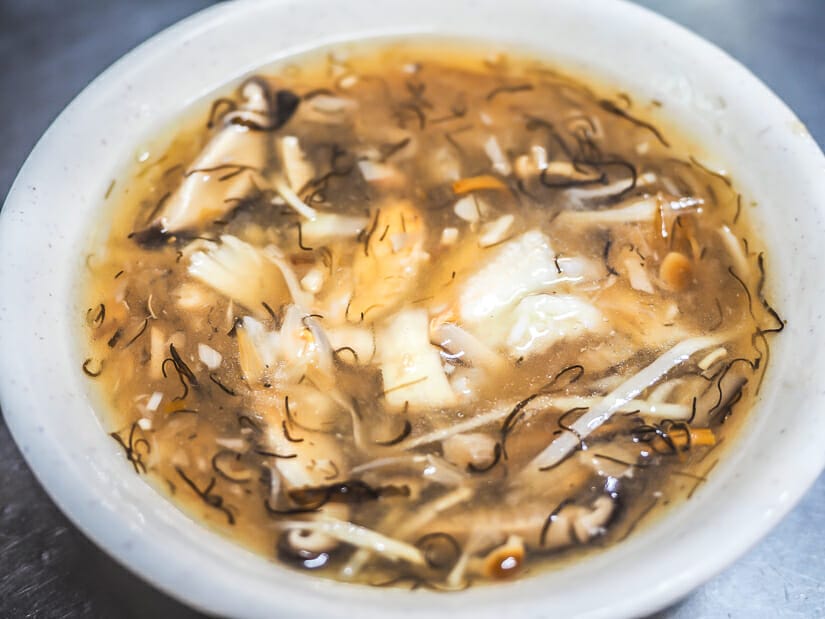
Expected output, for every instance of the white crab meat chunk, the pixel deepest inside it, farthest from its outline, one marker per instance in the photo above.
(411, 367)
(241, 272)
(319, 457)
(257, 349)
(299, 349)
(540, 321)
(387, 268)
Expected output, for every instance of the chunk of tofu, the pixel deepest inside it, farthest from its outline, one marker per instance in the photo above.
(411, 366)
(358, 342)
(515, 269)
(539, 321)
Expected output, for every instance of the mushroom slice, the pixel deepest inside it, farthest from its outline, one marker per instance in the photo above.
(222, 174)
(504, 561)
(263, 109)
(308, 549)
(540, 527)
(217, 181)
(576, 524)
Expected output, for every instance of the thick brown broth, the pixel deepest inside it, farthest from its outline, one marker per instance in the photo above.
(424, 316)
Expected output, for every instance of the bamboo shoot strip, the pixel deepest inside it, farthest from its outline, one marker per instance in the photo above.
(567, 442)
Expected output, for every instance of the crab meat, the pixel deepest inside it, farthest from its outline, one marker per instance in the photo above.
(241, 272)
(299, 349)
(320, 459)
(387, 268)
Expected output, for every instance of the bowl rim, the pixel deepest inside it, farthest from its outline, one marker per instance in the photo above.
(174, 574)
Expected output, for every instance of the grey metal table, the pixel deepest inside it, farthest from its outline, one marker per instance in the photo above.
(49, 50)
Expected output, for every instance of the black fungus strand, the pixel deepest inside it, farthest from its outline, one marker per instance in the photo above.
(221, 386)
(405, 432)
(611, 107)
(89, 372)
(212, 500)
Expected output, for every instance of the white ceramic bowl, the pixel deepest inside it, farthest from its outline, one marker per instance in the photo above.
(59, 194)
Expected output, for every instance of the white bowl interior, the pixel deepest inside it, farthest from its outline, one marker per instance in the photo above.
(59, 193)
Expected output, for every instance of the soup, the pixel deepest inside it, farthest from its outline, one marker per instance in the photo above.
(417, 315)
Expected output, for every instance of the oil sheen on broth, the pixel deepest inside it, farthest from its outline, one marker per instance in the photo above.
(423, 316)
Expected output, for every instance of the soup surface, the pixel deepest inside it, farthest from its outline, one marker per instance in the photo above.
(424, 316)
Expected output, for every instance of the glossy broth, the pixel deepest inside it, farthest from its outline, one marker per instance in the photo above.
(419, 315)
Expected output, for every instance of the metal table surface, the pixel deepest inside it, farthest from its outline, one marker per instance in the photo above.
(49, 50)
